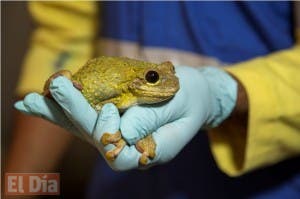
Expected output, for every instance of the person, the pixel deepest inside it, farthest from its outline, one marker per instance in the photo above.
(250, 110)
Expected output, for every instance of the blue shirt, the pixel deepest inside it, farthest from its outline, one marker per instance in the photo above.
(229, 31)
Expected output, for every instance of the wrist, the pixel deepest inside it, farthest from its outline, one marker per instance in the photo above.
(224, 91)
(239, 115)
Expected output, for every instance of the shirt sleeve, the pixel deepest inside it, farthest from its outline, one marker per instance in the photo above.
(272, 84)
(63, 39)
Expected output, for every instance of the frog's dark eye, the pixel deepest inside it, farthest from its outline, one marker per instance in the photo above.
(152, 76)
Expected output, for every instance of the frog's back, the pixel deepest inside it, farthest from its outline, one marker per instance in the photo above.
(122, 68)
(104, 78)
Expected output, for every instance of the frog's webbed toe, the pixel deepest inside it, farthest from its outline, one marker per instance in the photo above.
(64, 73)
(147, 147)
(115, 139)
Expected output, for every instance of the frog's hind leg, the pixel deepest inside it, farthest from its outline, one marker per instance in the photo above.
(115, 139)
(146, 147)
(64, 73)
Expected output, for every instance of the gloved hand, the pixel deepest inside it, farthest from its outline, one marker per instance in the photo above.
(73, 113)
(206, 97)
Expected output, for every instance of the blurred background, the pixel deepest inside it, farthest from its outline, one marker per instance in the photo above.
(16, 28)
(172, 180)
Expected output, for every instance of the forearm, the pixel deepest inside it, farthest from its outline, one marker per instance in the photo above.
(265, 108)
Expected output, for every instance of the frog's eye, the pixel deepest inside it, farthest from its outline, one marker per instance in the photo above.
(152, 76)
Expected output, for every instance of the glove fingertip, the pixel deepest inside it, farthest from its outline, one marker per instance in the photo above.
(31, 97)
(60, 81)
(62, 90)
(108, 120)
(19, 105)
(110, 108)
(32, 101)
(129, 134)
(109, 112)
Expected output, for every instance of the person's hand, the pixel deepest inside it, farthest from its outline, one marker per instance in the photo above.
(199, 102)
(205, 98)
(72, 112)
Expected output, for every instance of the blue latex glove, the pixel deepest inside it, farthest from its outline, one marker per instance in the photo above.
(75, 114)
(206, 97)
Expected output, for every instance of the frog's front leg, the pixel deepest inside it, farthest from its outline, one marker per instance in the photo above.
(115, 139)
(64, 73)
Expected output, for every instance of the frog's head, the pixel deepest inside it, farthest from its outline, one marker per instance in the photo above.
(155, 83)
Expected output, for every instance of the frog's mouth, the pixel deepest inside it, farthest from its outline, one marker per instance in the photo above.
(156, 94)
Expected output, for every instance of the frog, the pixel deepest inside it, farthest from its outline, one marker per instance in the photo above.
(125, 82)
